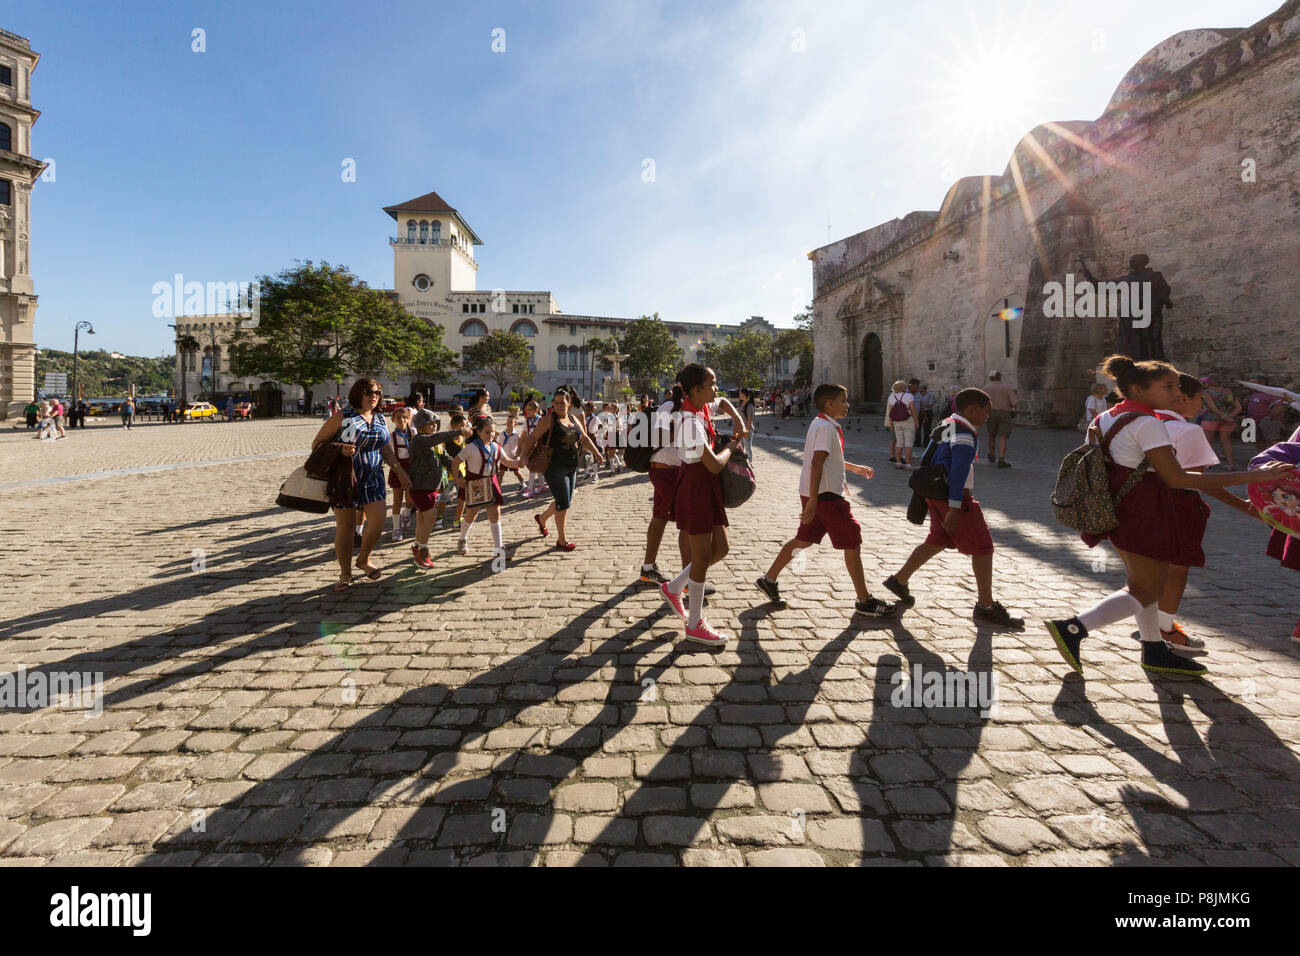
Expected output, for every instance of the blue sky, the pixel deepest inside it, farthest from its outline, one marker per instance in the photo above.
(764, 121)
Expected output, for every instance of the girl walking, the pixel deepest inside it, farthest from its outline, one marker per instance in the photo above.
(697, 500)
(532, 415)
(483, 459)
(400, 440)
(1147, 535)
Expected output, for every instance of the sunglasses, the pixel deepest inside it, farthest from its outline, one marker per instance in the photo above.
(372, 391)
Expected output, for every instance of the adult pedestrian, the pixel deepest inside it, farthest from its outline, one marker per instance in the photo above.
(900, 419)
(128, 412)
(362, 435)
(1220, 416)
(479, 405)
(926, 401)
(1001, 416)
(230, 408)
(566, 436)
(58, 413)
(1269, 414)
(32, 411)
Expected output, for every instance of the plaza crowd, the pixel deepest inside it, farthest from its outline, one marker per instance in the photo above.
(1155, 459)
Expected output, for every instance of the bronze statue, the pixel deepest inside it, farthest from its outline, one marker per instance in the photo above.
(1134, 340)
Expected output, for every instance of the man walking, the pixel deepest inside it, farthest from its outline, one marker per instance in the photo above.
(1001, 414)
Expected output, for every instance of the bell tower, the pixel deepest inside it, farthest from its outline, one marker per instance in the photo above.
(433, 251)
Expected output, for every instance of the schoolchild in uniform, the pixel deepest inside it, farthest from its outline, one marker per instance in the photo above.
(484, 458)
(1147, 535)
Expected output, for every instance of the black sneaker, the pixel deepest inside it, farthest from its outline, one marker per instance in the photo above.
(1004, 463)
(709, 589)
(1159, 659)
(770, 588)
(1068, 635)
(997, 614)
(900, 590)
(653, 575)
(875, 607)
(893, 461)
(993, 459)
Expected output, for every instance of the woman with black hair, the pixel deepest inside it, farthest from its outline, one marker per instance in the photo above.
(565, 435)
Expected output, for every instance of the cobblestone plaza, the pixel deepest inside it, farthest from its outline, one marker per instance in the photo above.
(550, 714)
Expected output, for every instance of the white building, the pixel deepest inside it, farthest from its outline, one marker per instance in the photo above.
(18, 173)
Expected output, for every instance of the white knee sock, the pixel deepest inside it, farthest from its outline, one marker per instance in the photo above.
(1148, 620)
(679, 582)
(696, 600)
(1166, 620)
(497, 540)
(464, 529)
(1113, 607)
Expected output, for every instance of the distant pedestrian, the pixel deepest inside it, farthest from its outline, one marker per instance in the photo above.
(1220, 415)
(1001, 416)
(230, 408)
(32, 411)
(900, 419)
(128, 413)
(926, 401)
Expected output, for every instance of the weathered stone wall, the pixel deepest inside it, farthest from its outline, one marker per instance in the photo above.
(1161, 172)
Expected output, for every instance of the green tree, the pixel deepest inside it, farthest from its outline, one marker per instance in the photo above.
(505, 357)
(653, 354)
(744, 359)
(321, 323)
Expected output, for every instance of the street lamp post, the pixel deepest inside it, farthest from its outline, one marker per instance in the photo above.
(76, 342)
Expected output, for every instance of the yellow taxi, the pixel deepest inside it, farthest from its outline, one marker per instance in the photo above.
(200, 410)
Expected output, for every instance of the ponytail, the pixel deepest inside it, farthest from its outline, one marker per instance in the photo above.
(1129, 374)
(678, 395)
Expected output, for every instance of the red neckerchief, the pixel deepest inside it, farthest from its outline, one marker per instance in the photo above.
(1128, 405)
(838, 430)
(692, 408)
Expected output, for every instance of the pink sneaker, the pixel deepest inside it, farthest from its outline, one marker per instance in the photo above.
(674, 599)
(705, 635)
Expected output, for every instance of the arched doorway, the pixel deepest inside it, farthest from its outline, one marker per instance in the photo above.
(873, 385)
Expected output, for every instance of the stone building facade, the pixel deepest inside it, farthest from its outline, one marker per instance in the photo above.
(1195, 162)
(18, 173)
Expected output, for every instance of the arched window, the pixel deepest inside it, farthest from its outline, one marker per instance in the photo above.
(410, 230)
(6, 137)
(524, 327)
(563, 358)
(437, 232)
(473, 329)
(424, 231)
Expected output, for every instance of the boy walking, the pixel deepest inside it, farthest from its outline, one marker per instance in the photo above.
(958, 522)
(824, 493)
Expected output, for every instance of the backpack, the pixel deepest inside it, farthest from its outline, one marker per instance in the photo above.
(637, 454)
(898, 411)
(1082, 499)
(931, 480)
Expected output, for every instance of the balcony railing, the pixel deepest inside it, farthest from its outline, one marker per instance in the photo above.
(400, 241)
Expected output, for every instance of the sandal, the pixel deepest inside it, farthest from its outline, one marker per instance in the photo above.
(567, 546)
(342, 584)
(541, 524)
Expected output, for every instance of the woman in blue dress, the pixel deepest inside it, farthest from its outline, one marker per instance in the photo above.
(362, 434)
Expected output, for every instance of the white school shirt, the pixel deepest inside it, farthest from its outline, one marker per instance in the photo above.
(1138, 437)
(1191, 447)
(824, 435)
(1093, 407)
(473, 459)
(511, 443)
(693, 435)
(667, 455)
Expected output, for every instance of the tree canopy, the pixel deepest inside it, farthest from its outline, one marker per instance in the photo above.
(505, 357)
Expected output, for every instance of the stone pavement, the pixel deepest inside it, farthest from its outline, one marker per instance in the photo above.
(551, 714)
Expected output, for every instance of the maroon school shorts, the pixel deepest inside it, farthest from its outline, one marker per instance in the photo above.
(664, 481)
(972, 535)
(424, 500)
(834, 518)
(1192, 514)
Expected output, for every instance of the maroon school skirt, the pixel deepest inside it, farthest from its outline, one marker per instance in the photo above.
(1286, 548)
(697, 503)
(1189, 530)
(1147, 517)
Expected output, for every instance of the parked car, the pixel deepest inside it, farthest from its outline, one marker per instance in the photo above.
(198, 410)
(391, 405)
(243, 410)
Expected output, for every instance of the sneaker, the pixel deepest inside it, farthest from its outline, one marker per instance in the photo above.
(997, 614)
(893, 461)
(397, 534)
(993, 459)
(875, 607)
(1159, 659)
(421, 556)
(1181, 643)
(708, 589)
(674, 599)
(1004, 463)
(437, 524)
(462, 547)
(770, 588)
(653, 575)
(703, 634)
(1068, 635)
(900, 590)
(525, 493)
